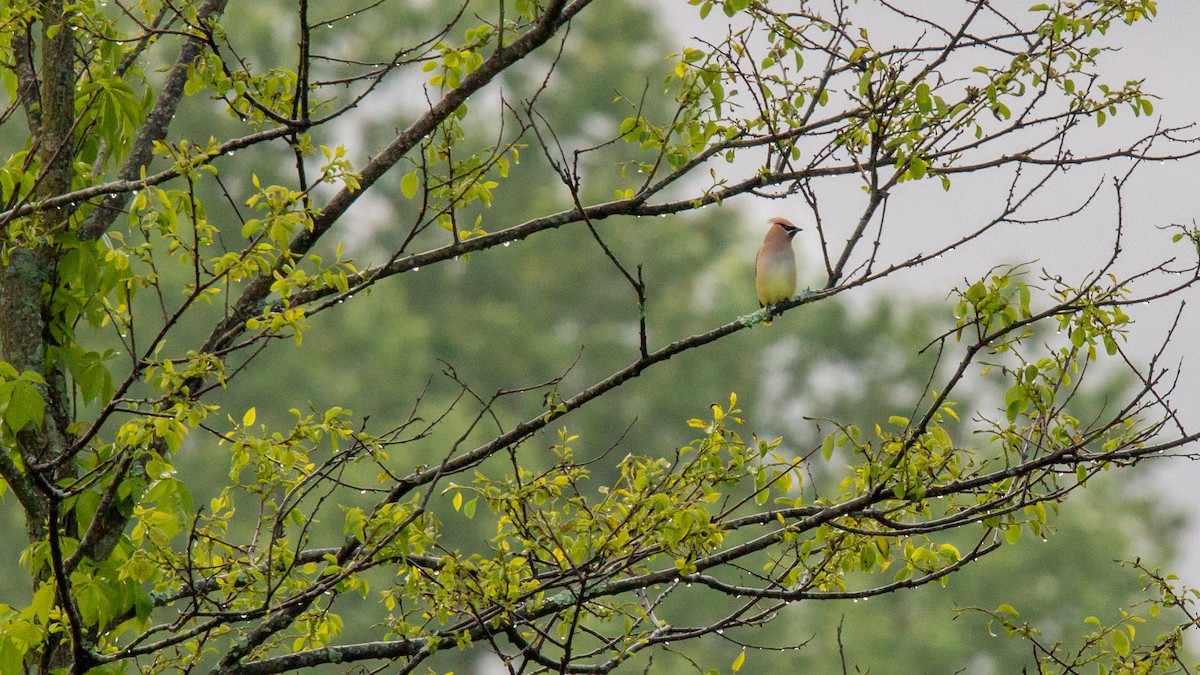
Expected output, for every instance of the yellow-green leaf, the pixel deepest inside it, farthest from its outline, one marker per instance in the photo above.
(1120, 642)
(408, 184)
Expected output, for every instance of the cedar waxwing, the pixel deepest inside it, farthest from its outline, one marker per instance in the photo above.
(775, 266)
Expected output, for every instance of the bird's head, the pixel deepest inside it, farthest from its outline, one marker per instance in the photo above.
(785, 225)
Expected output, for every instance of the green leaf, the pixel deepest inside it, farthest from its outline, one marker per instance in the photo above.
(827, 448)
(355, 523)
(1110, 345)
(867, 557)
(43, 602)
(408, 184)
(32, 376)
(917, 168)
(1120, 642)
(251, 228)
(1078, 335)
(976, 292)
(924, 102)
(628, 128)
(25, 406)
(951, 552)
(738, 662)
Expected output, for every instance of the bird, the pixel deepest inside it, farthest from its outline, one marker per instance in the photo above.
(775, 266)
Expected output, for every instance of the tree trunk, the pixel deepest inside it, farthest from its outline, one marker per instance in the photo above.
(27, 275)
